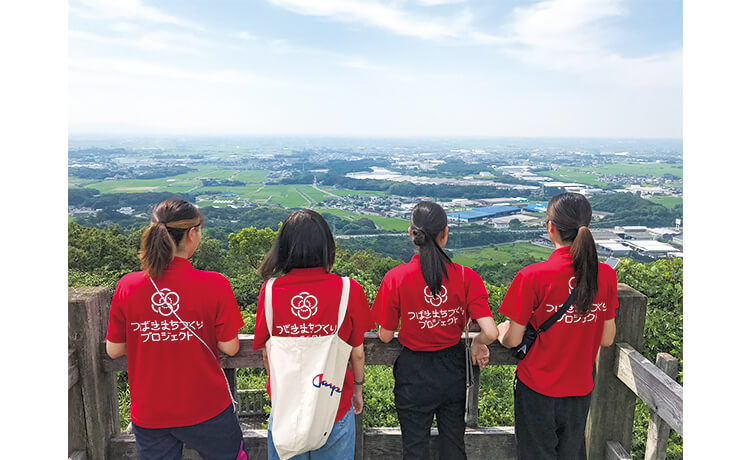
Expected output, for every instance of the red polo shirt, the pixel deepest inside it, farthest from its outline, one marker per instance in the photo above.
(429, 323)
(174, 380)
(562, 359)
(306, 304)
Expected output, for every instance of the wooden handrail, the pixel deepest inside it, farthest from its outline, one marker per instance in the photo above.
(657, 389)
(376, 352)
(609, 425)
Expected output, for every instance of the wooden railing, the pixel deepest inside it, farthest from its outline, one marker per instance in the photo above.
(621, 376)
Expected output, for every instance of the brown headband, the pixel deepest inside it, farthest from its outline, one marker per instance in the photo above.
(184, 223)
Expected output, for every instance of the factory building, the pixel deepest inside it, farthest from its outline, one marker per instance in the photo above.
(479, 214)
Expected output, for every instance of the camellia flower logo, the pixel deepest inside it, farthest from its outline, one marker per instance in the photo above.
(165, 302)
(304, 305)
(436, 301)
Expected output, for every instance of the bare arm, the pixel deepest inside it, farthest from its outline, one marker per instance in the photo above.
(265, 361)
(357, 361)
(231, 347)
(510, 333)
(385, 335)
(115, 350)
(608, 335)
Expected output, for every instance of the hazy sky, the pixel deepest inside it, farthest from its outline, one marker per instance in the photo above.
(592, 68)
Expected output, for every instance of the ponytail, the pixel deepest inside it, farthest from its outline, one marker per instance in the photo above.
(428, 220)
(157, 249)
(170, 221)
(571, 215)
(586, 269)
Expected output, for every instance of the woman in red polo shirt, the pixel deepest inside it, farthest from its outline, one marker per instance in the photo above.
(552, 388)
(432, 298)
(306, 299)
(172, 320)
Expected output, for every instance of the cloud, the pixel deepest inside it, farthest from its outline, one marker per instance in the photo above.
(127, 10)
(572, 36)
(160, 41)
(439, 2)
(388, 17)
(158, 71)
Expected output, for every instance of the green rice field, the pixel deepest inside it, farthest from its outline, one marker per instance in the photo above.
(590, 176)
(499, 253)
(385, 223)
(667, 201)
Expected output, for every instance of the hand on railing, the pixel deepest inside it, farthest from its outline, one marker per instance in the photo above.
(480, 354)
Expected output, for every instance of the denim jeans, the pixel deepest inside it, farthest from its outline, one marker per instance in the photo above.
(340, 444)
(218, 438)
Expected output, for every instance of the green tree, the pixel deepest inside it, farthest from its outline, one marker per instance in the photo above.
(247, 248)
(209, 255)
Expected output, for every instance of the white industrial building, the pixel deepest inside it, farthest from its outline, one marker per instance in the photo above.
(651, 248)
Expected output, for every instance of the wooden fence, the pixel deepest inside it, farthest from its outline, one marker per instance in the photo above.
(622, 374)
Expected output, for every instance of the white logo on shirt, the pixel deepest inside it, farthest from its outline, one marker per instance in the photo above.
(570, 284)
(441, 298)
(304, 305)
(166, 302)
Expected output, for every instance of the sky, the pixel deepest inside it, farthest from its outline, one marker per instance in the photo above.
(553, 68)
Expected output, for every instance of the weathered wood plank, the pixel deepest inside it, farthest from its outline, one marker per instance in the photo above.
(87, 324)
(612, 406)
(496, 443)
(77, 455)
(658, 429)
(359, 443)
(616, 452)
(662, 394)
(376, 352)
(73, 374)
(472, 419)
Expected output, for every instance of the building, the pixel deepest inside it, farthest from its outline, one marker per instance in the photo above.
(651, 248)
(503, 223)
(487, 212)
(536, 207)
(612, 248)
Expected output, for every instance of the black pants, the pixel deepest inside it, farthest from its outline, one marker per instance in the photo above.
(431, 384)
(549, 428)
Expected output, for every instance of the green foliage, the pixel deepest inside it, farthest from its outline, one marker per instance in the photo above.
(209, 255)
(246, 287)
(377, 392)
(91, 249)
(661, 282)
(496, 396)
(247, 248)
(630, 209)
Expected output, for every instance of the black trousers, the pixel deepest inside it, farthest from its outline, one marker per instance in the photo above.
(549, 428)
(431, 384)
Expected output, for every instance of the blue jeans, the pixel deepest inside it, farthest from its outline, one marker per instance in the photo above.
(340, 444)
(218, 438)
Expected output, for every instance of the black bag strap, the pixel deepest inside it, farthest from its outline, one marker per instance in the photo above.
(558, 314)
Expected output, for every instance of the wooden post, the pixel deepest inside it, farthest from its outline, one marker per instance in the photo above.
(658, 429)
(76, 425)
(88, 310)
(472, 420)
(359, 448)
(612, 403)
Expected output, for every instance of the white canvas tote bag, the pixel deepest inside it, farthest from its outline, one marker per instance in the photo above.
(307, 374)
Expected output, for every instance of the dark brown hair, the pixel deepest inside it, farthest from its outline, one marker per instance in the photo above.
(571, 215)
(304, 241)
(428, 220)
(170, 221)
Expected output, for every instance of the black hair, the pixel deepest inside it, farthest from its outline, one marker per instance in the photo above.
(571, 215)
(304, 241)
(428, 220)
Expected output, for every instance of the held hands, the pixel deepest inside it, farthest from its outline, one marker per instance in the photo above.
(480, 354)
(502, 329)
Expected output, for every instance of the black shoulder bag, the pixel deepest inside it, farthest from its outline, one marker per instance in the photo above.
(530, 334)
